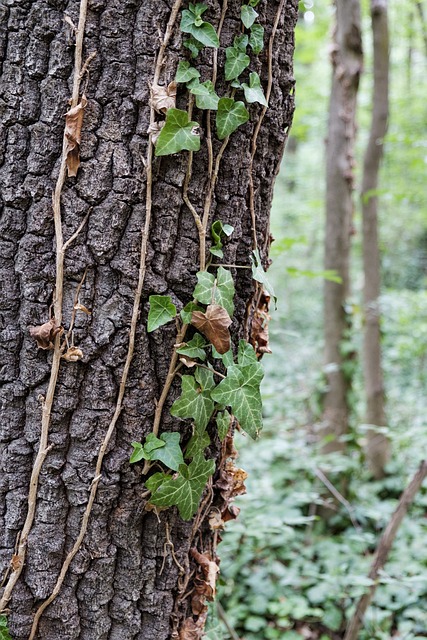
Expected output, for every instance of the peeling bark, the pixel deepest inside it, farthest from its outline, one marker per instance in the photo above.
(115, 587)
(346, 59)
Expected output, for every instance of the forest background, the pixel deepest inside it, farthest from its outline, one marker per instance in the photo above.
(285, 573)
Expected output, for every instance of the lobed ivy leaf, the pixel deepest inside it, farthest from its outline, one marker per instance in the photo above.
(241, 391)
(194, 348)
(193, 45)
(227, 357)
(154, 481)
(193, 403)
(223, 420)
(187, 311)
(246, 353)
(198, 443)
(256, 38)
(162, 310)
(220, 290)
(230, 116)
(185, 490)
(241, 42)
(192, 23)
(248, 15)
(4, 629)
(178, 133)
(236, 62)
(206, 97)
(185, 72)
(170, 454)
(259, 274)
(254, 91)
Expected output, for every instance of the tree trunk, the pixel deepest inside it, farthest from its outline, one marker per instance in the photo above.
(133, 575)
(346, 68)
(378, 449)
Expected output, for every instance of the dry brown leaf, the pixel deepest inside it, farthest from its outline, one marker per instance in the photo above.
(44, 334)
(231, 513)
(72, 133)
(210, 570)
(259, 330)
(214, 325)
(198, 598)
(216, 522)
(194, 630)
(188, 362)
(81, 307)
(231, 481)
(163, 98)
(155, 129)
(73, 354)
(16, 562)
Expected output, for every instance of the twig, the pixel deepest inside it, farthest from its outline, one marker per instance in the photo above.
(328, 484)
(222, 616)
(169, 544)
(132, 334)
(75, 302)
(76, 233)
(383, 549)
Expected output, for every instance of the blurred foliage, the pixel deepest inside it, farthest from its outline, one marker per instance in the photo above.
(285, 574)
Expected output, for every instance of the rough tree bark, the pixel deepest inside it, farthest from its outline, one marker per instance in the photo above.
(124, 582)
(346, 59)
(378, 448)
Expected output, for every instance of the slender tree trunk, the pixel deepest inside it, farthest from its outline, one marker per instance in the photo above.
(378, 449)
(133, 576)
(346, 68)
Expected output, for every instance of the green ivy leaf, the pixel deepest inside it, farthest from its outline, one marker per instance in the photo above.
(154, 481)
(178, 133)
(138, 453)
(248, 15)
(253, 3)
(162, 310)
(240, 391)
(185, 72)
(227, 357)
(186, 489)
(259, 274)
(223, 420)
(198, 9)
(193, 403)
(206, 97)
(246, 353)
(205, 378)
(254, 91)
(170, 454)
(256, 38)
(4, 629)
(221, 292)
(218, 230)
(241, 42)
(236, 62)
(193, 45)
(198, 443)
(194, 348)
(187, 311)
(235, 84)
(230, 116)
(192, 23)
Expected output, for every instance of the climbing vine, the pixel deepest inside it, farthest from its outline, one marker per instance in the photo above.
(220, 381)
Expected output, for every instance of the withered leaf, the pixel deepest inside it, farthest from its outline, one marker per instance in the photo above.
(188, 362)
(163, 98)
(44, 334)
(209, 569)
(81, 307)
(73, 354)
(155, 129)
(16, 562)
(214, 325)
(216, 523)
(259, 330)
(72, 133)
(194, 630)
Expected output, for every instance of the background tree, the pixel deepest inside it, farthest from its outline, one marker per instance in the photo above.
(120, 231)
(346, 59)
(378, 448)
